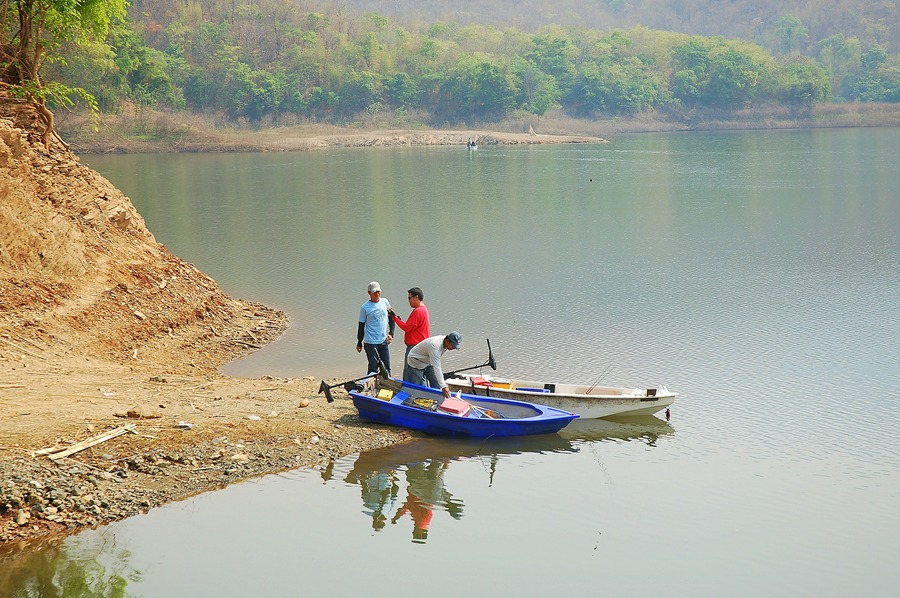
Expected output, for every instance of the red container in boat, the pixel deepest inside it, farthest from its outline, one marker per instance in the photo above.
(455, 406)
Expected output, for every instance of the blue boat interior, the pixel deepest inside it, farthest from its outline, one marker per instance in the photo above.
(431, 400)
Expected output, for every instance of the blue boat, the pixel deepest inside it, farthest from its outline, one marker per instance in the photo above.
(390, 401)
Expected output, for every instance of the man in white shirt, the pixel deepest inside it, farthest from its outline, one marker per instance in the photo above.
(376, 329)
(424, 361)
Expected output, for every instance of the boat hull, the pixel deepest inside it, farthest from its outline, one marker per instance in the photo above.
(588, 402)
(518, 418)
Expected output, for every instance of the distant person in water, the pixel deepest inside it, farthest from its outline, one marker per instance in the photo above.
(376, 329)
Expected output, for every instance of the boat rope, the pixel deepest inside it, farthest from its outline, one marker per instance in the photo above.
(602, 376)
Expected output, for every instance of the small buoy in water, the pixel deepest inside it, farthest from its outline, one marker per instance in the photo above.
(668, 414)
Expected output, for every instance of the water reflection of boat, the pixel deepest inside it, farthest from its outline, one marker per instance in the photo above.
(647, 428)
(423, 462)
(401, 455)
(639, 427)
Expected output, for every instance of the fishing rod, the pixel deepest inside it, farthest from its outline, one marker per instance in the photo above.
(602, 376)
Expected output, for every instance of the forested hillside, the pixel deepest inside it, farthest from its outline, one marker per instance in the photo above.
(760, 21)
(437, 62)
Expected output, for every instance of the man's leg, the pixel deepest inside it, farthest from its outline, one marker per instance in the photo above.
(416, 376)
(406, 365)
(372, 356)
(384, 352)
(431, 377)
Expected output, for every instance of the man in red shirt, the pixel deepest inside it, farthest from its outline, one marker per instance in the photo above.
(421, 513)
(417, 326)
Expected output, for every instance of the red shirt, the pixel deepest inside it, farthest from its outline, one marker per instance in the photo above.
(417, 508)
(417, 326)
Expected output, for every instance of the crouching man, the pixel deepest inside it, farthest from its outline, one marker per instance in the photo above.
(424, 362)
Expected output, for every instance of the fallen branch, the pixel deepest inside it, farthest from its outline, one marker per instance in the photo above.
(131, 414)
(54, 454)
(18, 348)
(240, 342)
(46, 451)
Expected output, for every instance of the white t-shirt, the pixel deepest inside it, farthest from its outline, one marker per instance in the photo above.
(428, 353)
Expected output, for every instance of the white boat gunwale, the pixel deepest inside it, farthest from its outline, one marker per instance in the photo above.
(587, 401)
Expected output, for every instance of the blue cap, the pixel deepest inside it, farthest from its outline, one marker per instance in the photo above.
(454, 339)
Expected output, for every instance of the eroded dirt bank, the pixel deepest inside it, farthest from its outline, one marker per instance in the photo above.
(101, 327)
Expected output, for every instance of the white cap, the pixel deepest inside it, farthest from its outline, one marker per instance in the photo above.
(374, 287)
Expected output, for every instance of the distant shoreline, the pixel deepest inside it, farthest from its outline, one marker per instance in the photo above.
(146, 131)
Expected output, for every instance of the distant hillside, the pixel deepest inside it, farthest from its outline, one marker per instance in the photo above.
(872, 21)
(422, 63)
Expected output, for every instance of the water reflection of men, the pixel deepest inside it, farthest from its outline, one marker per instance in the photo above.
(421, 514)
(425, 491)
(379, 493)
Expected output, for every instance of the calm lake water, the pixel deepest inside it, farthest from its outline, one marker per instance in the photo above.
(756, 273)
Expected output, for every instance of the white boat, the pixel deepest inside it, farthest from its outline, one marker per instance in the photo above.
(588, 401)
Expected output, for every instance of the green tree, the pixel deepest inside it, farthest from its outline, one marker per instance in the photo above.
(369, 51)
(716, 73)
(401, 90)
(841, 57)
(359, 91)
(614, 80)
(537, 91)
(143, 72)
(879, 79)
(791, 33)
(615, 87)
(259, 60)
(33, 31)
(201, 50)
(691, 64)
(733, 78)
(873, 59)
(478, 88)
(92, 67)
(800, 83)
(555, 55)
